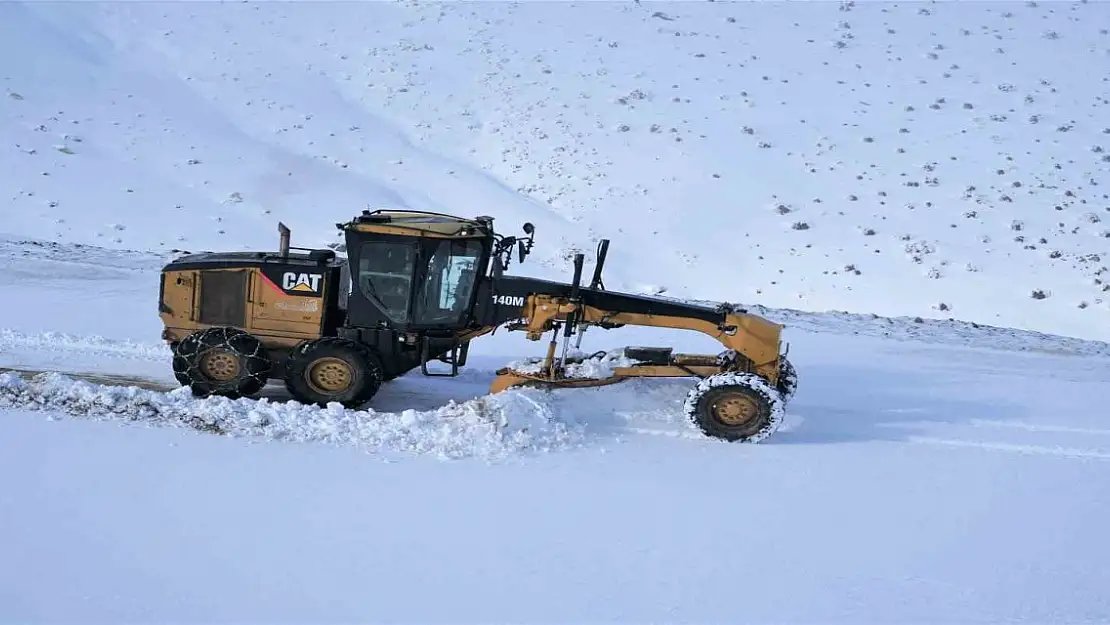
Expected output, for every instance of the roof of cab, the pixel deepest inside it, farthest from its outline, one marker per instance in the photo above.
(420, 223)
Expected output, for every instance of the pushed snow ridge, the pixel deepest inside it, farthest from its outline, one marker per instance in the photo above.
(490, 427)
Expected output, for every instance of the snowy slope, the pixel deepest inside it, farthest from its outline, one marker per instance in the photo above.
(946, 160)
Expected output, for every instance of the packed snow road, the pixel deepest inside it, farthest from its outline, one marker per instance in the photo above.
(910, 483)
(928, 475)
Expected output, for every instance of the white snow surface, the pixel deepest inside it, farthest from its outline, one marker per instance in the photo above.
(929, 469)
(910, 471)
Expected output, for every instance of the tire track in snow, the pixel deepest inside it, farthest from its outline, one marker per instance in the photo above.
(1038, 428)
(1072, 453)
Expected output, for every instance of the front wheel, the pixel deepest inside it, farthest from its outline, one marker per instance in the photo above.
(333, 370)
(736, 407)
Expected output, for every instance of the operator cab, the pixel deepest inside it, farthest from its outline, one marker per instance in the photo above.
(419, 270)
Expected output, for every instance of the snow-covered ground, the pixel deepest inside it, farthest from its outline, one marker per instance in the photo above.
(936, 474)
(928, 470)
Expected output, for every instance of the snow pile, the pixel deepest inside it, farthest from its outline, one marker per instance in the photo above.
(580, 365)
(492, 427)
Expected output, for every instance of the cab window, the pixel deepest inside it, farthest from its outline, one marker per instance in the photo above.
(446, 291)
(385, 271)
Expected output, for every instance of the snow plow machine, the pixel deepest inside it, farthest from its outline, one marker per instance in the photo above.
(417, 287)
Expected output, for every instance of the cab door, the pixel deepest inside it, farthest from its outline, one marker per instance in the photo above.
(382, 274)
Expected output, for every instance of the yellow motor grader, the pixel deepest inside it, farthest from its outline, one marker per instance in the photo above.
(417, 287)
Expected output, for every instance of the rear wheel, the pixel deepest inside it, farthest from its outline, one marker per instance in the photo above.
(221, 361)
(736, 407)
(333, 370)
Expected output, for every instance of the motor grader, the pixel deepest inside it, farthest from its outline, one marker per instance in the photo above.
(416, 288)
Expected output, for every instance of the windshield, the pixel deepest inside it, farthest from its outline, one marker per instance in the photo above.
(446, 291)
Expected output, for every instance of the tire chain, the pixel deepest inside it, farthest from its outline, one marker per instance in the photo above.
(751, 381)
(237, 342)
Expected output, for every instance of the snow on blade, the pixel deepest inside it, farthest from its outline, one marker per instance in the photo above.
(598, 365)
(490, 427)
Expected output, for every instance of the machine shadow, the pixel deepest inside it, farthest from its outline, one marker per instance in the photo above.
(837, 404)
(410, 391)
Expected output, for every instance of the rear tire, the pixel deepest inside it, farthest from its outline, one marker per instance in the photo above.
(332, 369)
(222, 361)
(735, 407)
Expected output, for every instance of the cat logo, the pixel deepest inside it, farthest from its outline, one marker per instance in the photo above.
(301, 282)
(509, 300)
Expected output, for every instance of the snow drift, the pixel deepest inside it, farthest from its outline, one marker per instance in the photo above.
(491, 427)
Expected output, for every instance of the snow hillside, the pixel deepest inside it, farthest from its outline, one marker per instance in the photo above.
(940, 160)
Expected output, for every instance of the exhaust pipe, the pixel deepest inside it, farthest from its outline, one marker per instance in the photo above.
(283, 231)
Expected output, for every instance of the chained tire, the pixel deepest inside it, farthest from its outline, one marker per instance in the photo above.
(735, 407)
(221, 361)
(788, 380)
(332, 369)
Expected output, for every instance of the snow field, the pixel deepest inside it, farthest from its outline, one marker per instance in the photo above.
(904, 489)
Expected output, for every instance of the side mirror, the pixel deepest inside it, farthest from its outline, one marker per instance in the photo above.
(529, 228)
